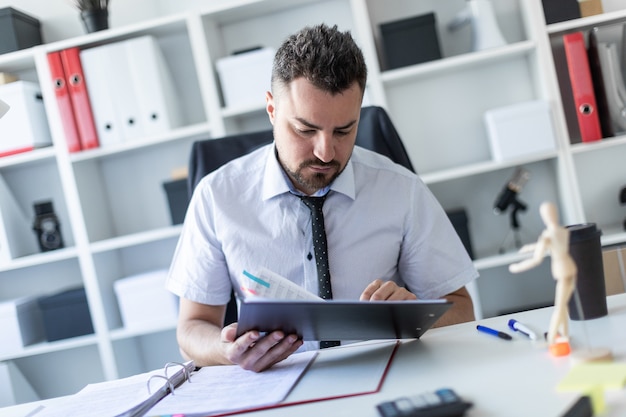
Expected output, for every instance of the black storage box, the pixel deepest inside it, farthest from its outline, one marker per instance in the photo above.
(66, 314)
(458, 218)
(560, 10)
(18, 30)
(177, 198)
(410, 41)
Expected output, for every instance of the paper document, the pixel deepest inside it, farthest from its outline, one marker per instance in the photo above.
(268, 284)
(111, 398)
(218, 389)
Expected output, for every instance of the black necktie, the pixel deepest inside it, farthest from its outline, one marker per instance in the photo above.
(320, 248)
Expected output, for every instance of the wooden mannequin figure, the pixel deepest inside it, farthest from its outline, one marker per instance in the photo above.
(554, 240)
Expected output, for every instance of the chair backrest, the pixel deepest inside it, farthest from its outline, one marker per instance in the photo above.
(376, 132)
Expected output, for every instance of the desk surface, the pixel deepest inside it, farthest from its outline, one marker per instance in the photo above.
(502, 378)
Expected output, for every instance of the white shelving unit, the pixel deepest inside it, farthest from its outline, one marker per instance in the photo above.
(113, 210)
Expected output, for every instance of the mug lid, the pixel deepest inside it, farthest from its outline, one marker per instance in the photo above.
(583, 231)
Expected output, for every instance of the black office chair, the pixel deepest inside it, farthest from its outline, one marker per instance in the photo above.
(376, 132)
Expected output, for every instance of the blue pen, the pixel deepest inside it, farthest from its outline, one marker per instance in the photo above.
(494, 332)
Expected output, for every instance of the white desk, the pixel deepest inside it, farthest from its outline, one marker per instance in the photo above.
(502, 378)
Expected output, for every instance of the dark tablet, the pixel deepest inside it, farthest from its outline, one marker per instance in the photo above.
(342, 320)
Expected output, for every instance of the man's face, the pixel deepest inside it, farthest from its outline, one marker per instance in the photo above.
(314, 131)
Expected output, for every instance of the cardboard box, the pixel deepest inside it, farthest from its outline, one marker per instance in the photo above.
(25, 126)
(519, 130)
(245, 77)
(18, 30)
(66, 314)
(410, 41)
(20, 324)
(614, 262)
(144, 301)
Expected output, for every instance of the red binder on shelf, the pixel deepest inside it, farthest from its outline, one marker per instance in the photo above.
(64, 102)
(582, 87)
(79, 97)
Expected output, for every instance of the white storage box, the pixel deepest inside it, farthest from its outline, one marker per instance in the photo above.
(519, 130)
(144, 301)
(245, 77)
(20, 324)
(25, 125)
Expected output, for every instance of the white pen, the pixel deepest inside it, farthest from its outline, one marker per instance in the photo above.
(519, 327)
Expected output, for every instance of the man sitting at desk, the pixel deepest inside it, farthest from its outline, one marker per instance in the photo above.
(388, 238)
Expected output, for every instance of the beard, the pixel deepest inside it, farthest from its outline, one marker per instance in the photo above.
(315, 181)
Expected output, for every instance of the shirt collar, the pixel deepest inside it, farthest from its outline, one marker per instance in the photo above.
(276, 182)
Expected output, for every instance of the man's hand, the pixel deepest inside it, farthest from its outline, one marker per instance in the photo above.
(380, 290)
(201, 338)
(257, 353)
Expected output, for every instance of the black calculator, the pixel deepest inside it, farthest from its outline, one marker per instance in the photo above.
(441, 403)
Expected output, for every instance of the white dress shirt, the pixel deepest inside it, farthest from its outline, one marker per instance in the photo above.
(381, 222)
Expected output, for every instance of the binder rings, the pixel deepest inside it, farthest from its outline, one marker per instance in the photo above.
(127, 397)
(79, 96)
(64, 101)
(582, 87)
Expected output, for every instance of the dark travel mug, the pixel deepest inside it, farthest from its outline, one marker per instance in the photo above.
(586, 250)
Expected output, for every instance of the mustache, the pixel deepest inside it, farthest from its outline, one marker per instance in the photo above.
(319, 162)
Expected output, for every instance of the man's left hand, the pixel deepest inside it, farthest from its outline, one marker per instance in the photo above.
(380, 290)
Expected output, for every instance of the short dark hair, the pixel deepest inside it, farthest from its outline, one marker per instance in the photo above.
(326, 57)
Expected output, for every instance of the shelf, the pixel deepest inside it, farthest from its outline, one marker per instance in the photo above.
(164, 26)
(231, 112)
(237, 10)
(50, 347)
(18, 61)
(457, 63)
(202, 130)
(496, 261)
(40, 259)
(136, 239)
(586, 22)
(123, 333)
(599, 145)
(482, 167)
(31, 157)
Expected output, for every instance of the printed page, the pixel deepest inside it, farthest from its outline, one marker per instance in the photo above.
(268, 284)
(110, 398)
(218, 389)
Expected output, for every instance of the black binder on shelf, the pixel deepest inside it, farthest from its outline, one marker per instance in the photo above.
(614, 88)
(599, 84)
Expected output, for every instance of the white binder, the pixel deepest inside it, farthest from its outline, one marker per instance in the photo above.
(96, 67)
(153, 86)
(122, 89)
